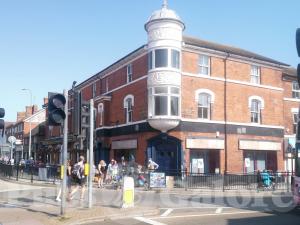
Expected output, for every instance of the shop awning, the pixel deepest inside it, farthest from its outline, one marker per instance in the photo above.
(205, 143)
(125, 144)
(259, 145)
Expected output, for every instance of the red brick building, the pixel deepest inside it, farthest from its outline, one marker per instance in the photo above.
(190, 103)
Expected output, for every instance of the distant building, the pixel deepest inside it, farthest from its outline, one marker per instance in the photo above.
(188, 104)
(32, 119)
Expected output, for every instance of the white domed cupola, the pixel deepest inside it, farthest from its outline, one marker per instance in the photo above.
(164, 14)
(164, 29)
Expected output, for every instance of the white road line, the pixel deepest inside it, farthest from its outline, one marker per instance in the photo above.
(203, 215)
(149, 221)
(199, 207)
(166, 213)
(219, 210)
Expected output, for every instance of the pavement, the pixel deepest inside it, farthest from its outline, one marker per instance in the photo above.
(33, 204)
(25, 204)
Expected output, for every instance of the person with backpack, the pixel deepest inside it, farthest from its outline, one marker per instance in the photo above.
(79, 178)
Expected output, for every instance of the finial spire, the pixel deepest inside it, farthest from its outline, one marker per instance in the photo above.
(165, 4)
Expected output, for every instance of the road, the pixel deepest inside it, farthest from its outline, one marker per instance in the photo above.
(209, 216)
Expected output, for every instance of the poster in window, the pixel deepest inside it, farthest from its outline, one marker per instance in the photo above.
(247, 162)
(200, 163)
(157, 180)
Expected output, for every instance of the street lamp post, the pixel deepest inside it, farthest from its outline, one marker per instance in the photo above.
(29, 147)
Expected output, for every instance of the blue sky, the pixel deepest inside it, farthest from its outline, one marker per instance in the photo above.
(46, 45)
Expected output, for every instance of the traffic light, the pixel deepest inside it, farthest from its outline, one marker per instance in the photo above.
(298, 51)
(56, 113)
(76, 113)
(2, 123)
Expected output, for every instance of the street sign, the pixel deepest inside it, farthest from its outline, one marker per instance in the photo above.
(12, 139)
(18, 142)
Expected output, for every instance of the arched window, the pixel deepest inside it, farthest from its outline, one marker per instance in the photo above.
(255, 111)
(256, 104)
(204, 98)
(128, 106)
(204, 105)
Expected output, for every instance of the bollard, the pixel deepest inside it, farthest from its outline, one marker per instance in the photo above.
(128, 192)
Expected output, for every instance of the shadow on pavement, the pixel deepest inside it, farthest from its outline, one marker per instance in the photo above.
(267, 219)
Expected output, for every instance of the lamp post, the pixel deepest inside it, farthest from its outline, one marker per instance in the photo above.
(29, 147)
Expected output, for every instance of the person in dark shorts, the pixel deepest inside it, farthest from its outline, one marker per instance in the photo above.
(78, 178)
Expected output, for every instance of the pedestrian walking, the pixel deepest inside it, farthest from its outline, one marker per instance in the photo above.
(79, 178)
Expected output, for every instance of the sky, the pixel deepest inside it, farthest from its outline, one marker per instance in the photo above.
(45, 45)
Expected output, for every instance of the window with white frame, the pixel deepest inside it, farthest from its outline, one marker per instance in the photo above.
(165, 57)
(129, 73)
(128, 106)
(161, 58)
(204, 105)
(175, 59)
(255, 111)
(295, 90)
(295, 120)
(203, 64)
(100, 113)
(164, 101)
(255, 75)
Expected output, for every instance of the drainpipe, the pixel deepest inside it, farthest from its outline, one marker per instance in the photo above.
(225, 112)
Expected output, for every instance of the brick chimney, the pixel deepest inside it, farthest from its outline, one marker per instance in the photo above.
(21, 116)
(45, 101)
(28, 111)
(35, 108)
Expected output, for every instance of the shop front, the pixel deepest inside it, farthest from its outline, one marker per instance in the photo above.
(124, 148)
(204, 154)
(259, 155)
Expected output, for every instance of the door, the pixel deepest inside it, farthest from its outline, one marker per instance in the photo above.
(165, 150)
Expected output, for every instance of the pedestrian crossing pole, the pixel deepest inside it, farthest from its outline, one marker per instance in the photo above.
(91, 154)
(64, 159)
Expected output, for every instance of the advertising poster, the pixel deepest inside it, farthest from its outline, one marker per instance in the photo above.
(157, 180)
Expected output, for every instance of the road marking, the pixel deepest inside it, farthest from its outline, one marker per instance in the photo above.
(166, 213)
(203, 215)
(149, 221)
(199, 207)
(219, 210)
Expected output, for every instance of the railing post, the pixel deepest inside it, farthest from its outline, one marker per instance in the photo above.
(287, 181)
(224, 180)
(31, 173)
(17, 178)
(186, 179)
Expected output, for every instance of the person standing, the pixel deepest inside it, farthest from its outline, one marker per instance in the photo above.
(152, 165)
(101, 172)
(69, 181)
(22, 166)
(79, 178)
